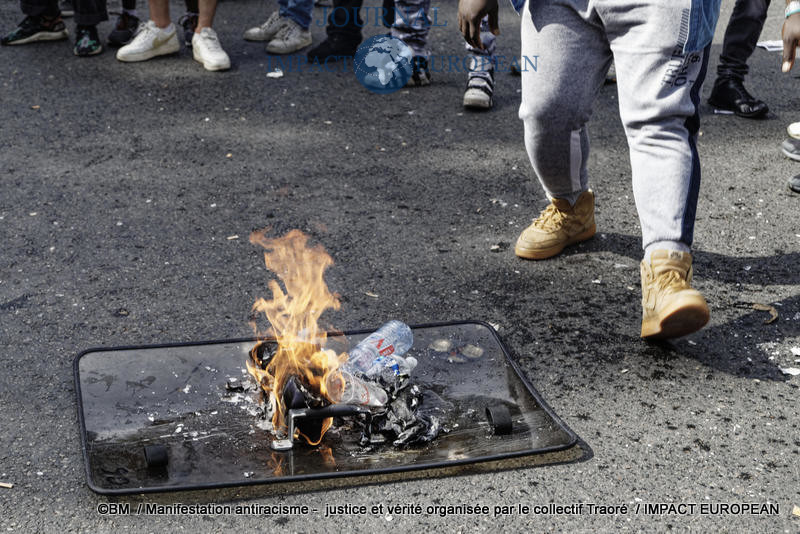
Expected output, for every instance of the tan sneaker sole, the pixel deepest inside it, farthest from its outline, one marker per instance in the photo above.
(544, 253)
(686, 315)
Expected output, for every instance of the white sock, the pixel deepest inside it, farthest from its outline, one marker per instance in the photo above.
(664, 245)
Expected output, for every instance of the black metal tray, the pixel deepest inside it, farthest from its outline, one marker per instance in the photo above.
(176, 396)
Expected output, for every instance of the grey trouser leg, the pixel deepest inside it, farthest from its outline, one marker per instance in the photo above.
(658, 99)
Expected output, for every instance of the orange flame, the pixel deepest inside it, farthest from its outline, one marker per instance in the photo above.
(293, 317)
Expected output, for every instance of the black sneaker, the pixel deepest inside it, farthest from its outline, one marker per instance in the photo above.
(332, 49)
(421, 75)
(188, 22)
(66, 8)
(34, 29)
(124, 31)
(730, 95)
(87, 43)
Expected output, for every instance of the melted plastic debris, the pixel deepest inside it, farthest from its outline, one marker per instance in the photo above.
(472, 352)
(441, 345)
(402, 422)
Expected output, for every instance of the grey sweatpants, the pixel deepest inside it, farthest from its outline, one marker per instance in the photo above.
(659, 88)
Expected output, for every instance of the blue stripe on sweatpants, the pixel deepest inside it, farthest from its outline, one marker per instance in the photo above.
(693, 126)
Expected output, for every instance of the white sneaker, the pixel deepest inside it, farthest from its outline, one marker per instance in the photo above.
(268, 30)
(480, 84)
(208, 51)
(291, 38)
(149, 42)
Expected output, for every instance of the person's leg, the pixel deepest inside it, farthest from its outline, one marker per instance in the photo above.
(206, 11)
(741, 36)
(480, 78)
(556, 104)
(557, 97)
(299, 11)
(159, 13)
(189, 20)
(659, 100)
(126, 25)
(37, 8)
(88, 14)
(412, 25)
(659, 90)
(343, 29)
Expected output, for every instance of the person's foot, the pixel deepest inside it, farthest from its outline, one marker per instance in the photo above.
(34, 29)
(149, 42)
(670, 307)
(333, 48)
(480, 84)
(66, 8)
(207, 49)
(188, 22)
(730, 95)
(290, 38)
(87, 42)
(124, 30)
(268, 30)
(791, 148)
(556, 227)
(421, 74)
(794, 183)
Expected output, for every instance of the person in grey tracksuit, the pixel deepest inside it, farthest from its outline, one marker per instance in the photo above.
(660, 48)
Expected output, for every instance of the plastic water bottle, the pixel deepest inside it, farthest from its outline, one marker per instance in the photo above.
(344, 388)
(393, 365)
(390, 341)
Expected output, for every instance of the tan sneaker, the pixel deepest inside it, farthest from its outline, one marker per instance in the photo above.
(558, 225)
(670, 307)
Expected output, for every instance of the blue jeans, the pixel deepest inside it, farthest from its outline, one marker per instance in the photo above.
(297, 10)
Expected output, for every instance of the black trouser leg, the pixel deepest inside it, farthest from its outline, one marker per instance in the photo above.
(90, 12)
(741, 37)
(36, 8)
(130, 5)
(344, 21)
(192, 7)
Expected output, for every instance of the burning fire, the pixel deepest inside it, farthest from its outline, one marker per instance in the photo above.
(293, 316)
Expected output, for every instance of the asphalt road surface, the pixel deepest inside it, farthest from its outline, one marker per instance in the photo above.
(121, 186)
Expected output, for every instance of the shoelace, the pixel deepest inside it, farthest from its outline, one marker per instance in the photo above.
(144, 31)
(211, 41)
(287, 32)
(670, 279)
(550, 218)
(270, 21)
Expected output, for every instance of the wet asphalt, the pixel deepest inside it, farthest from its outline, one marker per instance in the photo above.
(123, 186)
